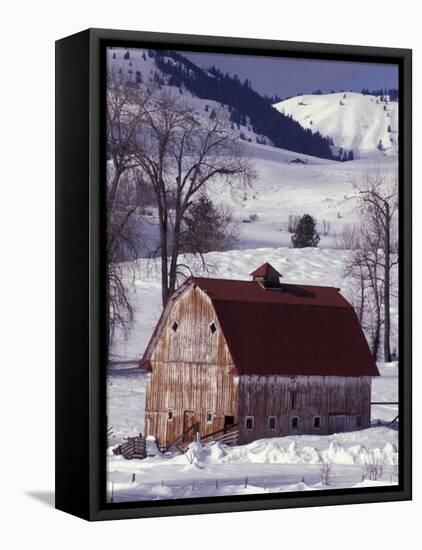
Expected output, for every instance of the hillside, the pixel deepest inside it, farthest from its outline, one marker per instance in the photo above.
(249, 113)
(364, 124)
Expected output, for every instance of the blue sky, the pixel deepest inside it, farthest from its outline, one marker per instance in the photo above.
(289, 76)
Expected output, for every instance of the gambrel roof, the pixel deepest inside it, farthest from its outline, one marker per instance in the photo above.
(291, 330)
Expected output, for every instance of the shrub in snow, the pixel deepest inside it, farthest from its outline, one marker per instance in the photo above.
(325, 472)
(373, 467)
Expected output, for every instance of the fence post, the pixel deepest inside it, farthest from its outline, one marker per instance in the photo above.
(246, 482)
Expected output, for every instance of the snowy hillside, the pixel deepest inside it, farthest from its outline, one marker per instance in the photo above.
(287, 184)
(140, 68)
(360, 123)
(249, 114)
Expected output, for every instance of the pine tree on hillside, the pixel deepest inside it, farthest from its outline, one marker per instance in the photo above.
(208, 227)
(306, 234)
(127, 55)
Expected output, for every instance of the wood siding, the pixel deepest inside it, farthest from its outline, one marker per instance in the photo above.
(338, 401)
(192, 372)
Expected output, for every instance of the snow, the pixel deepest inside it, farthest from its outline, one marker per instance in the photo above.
(283, 187)
(354, 121)
(284, 464)
(147, 68)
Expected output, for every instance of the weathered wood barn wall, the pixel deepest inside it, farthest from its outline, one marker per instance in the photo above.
(192, 372)
(340, 403)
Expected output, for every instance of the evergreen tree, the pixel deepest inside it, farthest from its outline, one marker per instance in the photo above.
(127, 55)
(208, 227)
(306, 234)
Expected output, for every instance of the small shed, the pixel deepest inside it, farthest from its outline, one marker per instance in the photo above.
(267, 358)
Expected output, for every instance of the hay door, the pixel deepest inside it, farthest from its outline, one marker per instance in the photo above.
(337, 423)
(188, 422)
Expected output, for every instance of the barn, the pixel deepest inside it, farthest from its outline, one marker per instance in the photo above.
(259, 357)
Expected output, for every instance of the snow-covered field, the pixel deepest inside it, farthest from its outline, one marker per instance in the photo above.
(290, 463)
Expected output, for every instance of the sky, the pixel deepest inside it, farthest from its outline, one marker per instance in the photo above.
(289, 77)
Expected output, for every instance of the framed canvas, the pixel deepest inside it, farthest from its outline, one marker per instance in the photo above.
(233, 274)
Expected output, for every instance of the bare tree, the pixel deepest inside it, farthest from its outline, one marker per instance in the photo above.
(364, 268)
(180, 154)
(349, 238)
(378, 204)
(126, 109)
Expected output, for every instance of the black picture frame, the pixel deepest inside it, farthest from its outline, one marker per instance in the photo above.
(81, 285)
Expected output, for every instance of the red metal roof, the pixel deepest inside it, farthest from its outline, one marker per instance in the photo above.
(252, 291)
(294, 330)
(266, 270)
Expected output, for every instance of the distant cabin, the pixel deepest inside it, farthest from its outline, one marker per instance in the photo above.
(273, 359)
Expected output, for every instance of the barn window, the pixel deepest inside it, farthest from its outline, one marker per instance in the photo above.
(271, 422)
(293, 400)
(295, 422)
(213, 328)
(174, 326)
(358, 421)
(228, 421)
(317, 422)
(209, 417)
(169, 414)
(249, 422)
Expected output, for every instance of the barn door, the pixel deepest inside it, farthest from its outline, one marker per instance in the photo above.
(188, 421)
(151, 425)
(337, 423)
